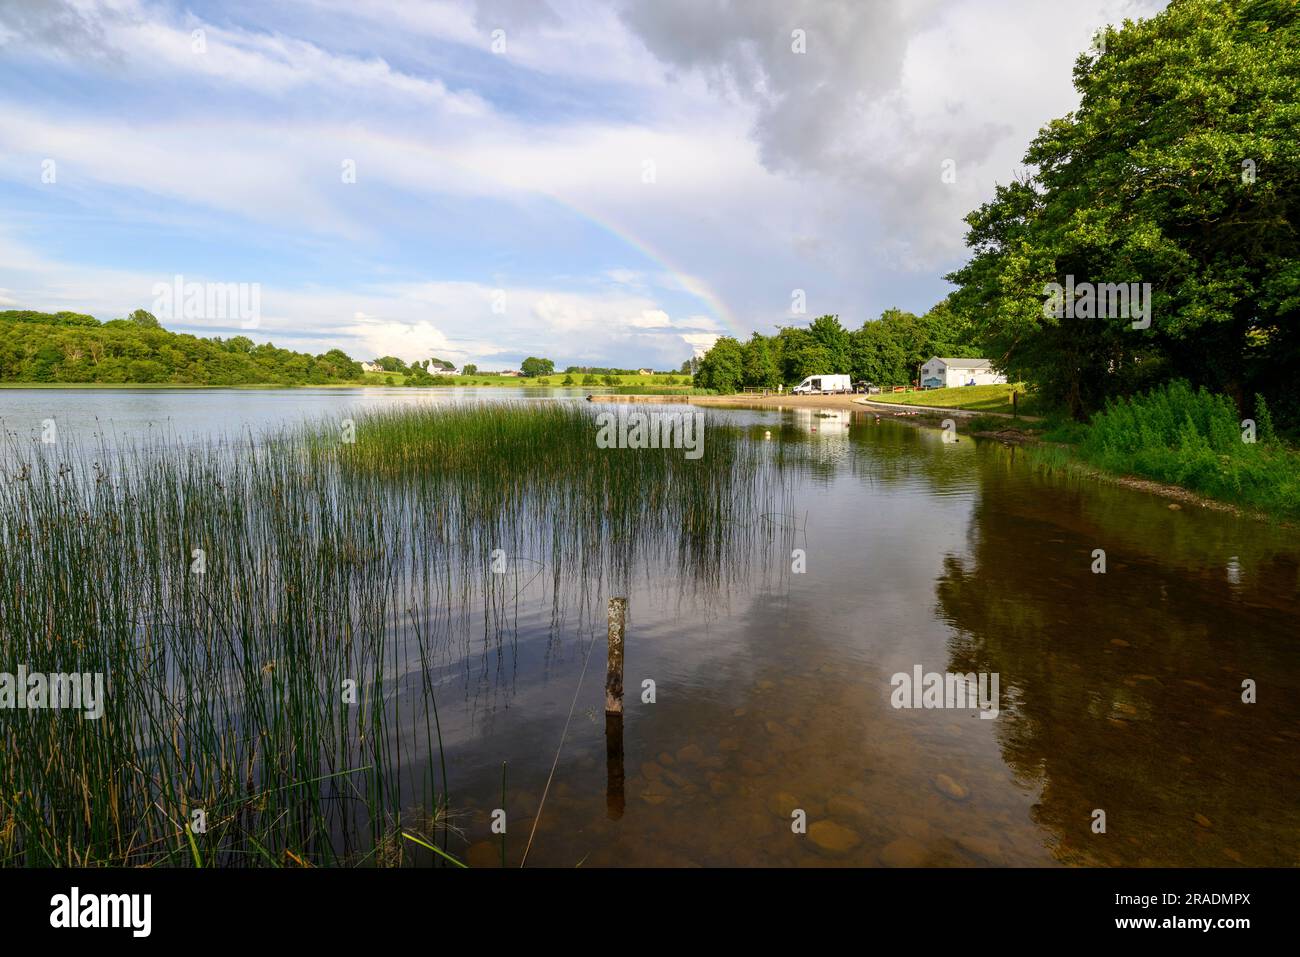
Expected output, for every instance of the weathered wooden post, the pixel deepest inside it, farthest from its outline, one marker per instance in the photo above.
(614, 791)
(614, 799)
(1015, 404)
(614, 674)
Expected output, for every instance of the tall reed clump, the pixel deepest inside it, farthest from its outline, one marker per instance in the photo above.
(1194, 438)
(232, 592)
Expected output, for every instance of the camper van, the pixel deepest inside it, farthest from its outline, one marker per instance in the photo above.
(823, 385)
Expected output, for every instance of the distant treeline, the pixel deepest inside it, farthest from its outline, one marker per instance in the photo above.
(72, 347)
(885, 351)
(600, 370)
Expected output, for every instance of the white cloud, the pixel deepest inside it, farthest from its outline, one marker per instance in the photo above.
(453, 320)
(773, 170)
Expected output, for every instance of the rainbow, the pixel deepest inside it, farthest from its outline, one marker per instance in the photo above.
(691, 284)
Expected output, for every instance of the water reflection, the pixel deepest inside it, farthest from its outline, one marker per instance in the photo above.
(1124, 689)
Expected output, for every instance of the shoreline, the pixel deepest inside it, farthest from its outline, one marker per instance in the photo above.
(921, 417)
(930, 418)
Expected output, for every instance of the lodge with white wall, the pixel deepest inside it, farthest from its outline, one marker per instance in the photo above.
(941, 373)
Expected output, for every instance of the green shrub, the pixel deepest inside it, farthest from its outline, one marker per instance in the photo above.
(1195, 439)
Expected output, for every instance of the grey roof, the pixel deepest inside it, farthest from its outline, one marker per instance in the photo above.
(964, 363)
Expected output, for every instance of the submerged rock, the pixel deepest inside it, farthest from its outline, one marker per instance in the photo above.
(691, 754)
(783, 804)
(904, 852)
(833, 838)
(984, 847)
(951, 788)
(847, 807)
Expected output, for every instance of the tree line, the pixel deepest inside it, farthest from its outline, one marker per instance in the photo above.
(73, 347)
(885, 351)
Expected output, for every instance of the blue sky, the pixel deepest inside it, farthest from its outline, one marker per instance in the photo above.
(600, 183)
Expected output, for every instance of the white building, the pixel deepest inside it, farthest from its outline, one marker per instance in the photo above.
(940, 373)
(371, 367)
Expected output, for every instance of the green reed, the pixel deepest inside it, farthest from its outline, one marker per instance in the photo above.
(232, 592)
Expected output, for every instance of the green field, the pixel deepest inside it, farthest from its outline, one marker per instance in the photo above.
(976, 398)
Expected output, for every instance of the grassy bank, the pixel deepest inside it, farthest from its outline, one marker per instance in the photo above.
(975, 398)
(1186, 438)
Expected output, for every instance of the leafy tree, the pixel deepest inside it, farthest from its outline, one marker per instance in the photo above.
(722, 368)
(469, 369)
(833, 342)
(1180, 168)
(758, 364)
(533, 367)
(875, 356)
(142, 318)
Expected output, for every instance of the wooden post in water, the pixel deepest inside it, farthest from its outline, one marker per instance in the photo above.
(614, 710)
(614, 799)
(614, 674)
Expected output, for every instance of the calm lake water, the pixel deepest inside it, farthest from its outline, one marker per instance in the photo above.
(1119, 692)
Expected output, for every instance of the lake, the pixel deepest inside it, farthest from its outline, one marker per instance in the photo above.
(1120, 694)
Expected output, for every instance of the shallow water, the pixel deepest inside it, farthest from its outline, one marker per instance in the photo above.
(1119, 692)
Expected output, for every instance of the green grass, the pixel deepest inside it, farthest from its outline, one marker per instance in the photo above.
(1190, 438)
(325, 561)
(975, 398)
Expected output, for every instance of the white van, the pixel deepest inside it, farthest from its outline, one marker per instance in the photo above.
(823, 385)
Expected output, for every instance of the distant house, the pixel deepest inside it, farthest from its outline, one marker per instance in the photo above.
(645, 372)
(371, 367)
(511, 372)
(940, 373)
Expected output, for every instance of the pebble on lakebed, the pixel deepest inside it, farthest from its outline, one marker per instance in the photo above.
(950, 788)
(904, 852)
(833, 838)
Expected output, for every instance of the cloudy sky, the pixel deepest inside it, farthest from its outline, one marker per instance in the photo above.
(597, 182)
